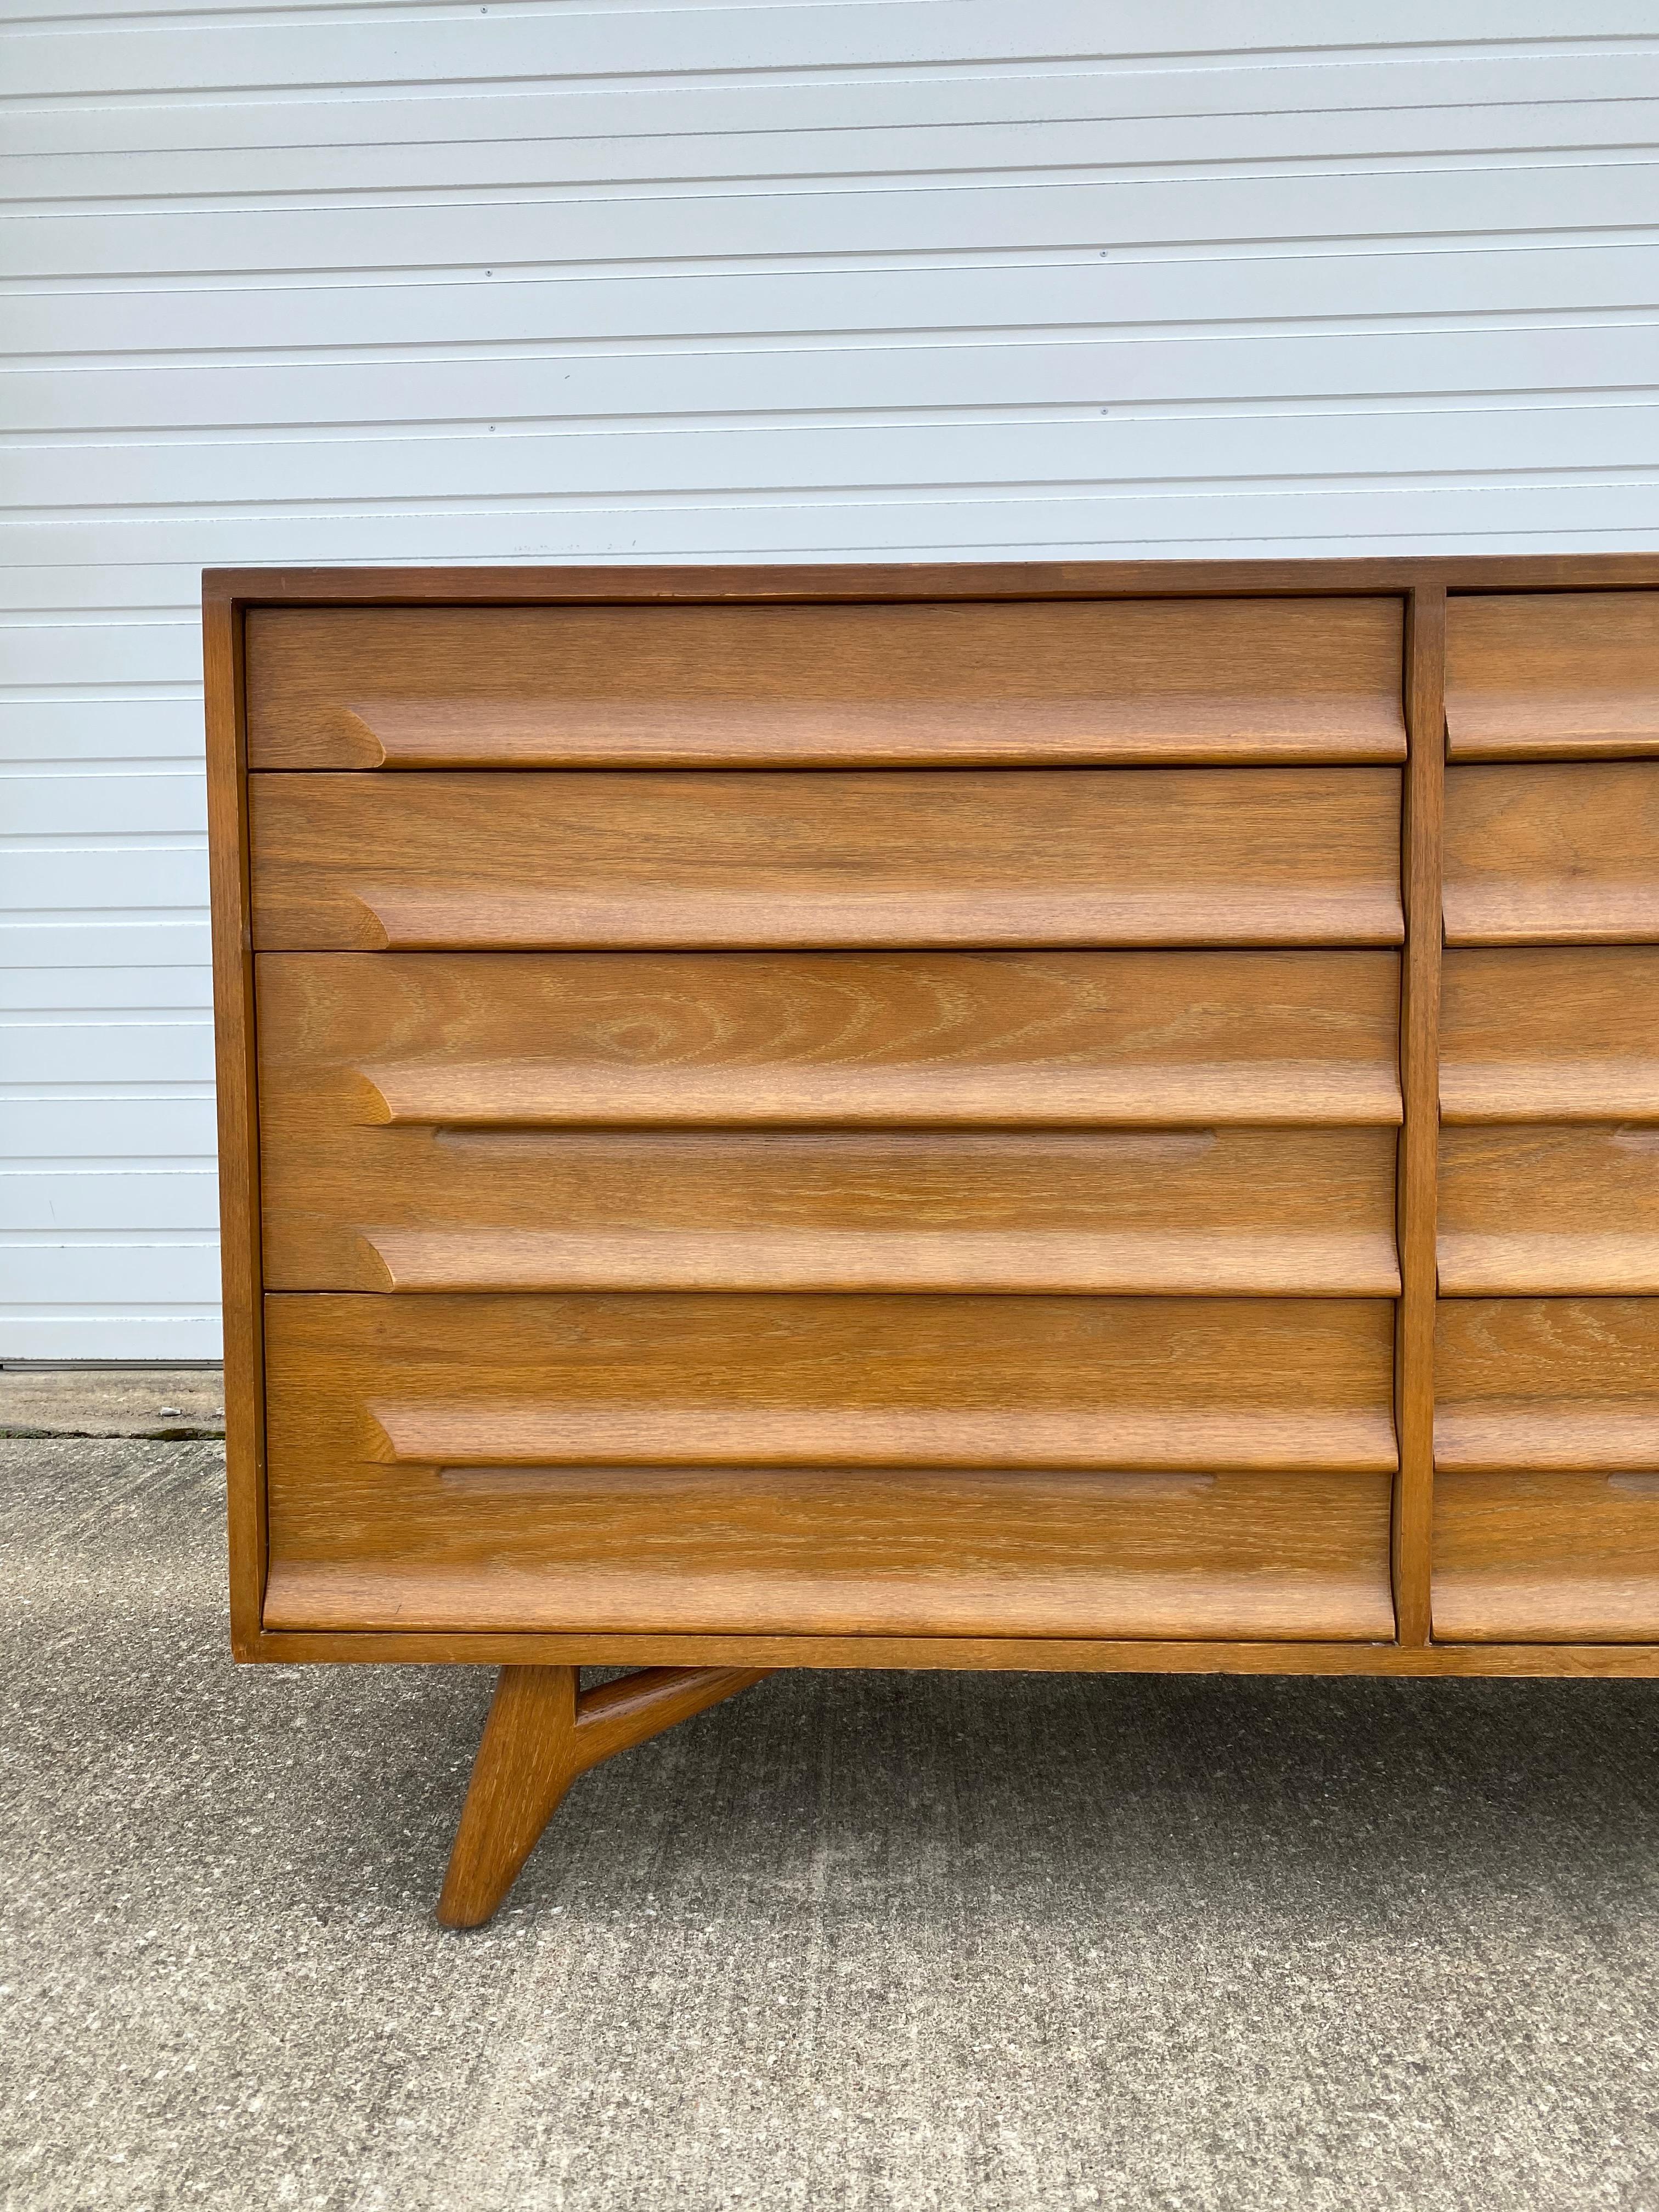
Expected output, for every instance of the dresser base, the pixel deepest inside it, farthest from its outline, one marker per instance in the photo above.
(541, 1733)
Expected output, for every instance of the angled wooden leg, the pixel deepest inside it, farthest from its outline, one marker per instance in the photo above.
(539, 1735)
(525, 1763)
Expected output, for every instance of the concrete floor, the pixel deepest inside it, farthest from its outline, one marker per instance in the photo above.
(861, 1940)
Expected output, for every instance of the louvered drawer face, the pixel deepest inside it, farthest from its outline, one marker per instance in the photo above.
(1550, 1035)
(953, 1121)
(1549, 1210)
(1557, 854)
(1553, 675)
(1064, 857)
(980, 1466)
(1562, 1384)
(1039, 682)
(1547, 1448)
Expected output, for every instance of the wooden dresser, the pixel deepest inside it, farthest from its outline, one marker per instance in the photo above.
(919, 1117)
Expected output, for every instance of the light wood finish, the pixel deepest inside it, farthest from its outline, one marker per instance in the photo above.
(820, 1463)
(362, 1385)
(619, 1153)
(1058, 682)
(1010, 857)
(1268, 1212)
(1419, 1047)
(1557, 1558)
(399, 1101)
(1568, 1385)
(1536, 675)
(499, 1042)
(540, 1736)
(236, 1090)
(1551, 1036)
(1562, 853)
(889, 1550)
(1549, 1210)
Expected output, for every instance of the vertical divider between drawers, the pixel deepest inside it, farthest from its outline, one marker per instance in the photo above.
(1422, 821)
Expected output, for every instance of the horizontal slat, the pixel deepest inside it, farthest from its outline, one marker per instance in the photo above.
(1256, 1212)
(149, 803)
(562, 155)
(1231, 520)
(797, 687)
(1547, 1384)
(1557, 854)
(58, 988)
(1549, 1211)
(1186, 1384)
(1543, 97)
(117, 1199)
(1076, 856)
(73, 1130)
(342, 51)
(493, 1042)
(104, 1272)
(1106, 295)
(134, 1050)
(513, 463)
(888, 1551)
(64, 732)
(1530, 675)
(932, 374)
(1550, 1035)
(149, 1328)
(1567, 1558)
(80, 883)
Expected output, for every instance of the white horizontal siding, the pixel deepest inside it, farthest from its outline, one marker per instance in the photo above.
(907, 277)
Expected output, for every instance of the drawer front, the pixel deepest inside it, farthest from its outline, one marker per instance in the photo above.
(907, 1465)
(1127, 856)
(1547, 1489)
(1563, 853)
(1568, 1385)
(1571, 1558)
(1537, 674)
(1550, 1035)
(1039, 682)
(829, 1121)
(1549, 1210)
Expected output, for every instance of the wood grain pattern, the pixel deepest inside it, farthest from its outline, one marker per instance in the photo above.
(1563, 853)
(1568, 1385)
(539, 1737)
(893, 1551)
(1551, 1036)
(479, 1450)
(497, 1041)
(1189, 1383)
(1268, 1212)
(1532, 676)
(233, 1025)
(1060, 682)
(1419, 1048)
(1071, 856)
(451, 1186)
(1572, 1557)
(1549, 1210)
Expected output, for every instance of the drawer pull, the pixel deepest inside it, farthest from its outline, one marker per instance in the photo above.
(542, 1094)
(1261, 1264)
(568, 1433)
